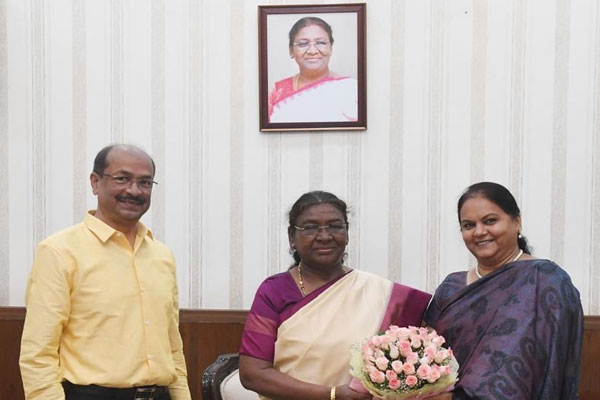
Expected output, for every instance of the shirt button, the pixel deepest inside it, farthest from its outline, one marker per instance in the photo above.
(142, 290)
(149, 356)
(147, 322)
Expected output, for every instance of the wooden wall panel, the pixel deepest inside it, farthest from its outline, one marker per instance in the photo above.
(208, 333)
(11, 326)
(589, 382)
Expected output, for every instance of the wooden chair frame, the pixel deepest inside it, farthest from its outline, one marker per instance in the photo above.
(215, 373)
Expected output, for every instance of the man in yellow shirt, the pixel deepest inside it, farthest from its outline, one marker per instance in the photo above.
(102, 311)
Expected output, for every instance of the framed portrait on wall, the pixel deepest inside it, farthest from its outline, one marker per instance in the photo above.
(312, 70)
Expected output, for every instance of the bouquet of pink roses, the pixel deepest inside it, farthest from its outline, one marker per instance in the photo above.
(404, 363)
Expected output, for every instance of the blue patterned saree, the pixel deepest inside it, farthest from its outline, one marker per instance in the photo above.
(516, 333)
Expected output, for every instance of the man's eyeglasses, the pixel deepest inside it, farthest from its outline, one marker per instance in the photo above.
(314, 230)
(127, 181)
(304, 45)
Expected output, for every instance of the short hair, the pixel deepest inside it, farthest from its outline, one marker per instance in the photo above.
(100, 162)
(498, 195)
(310, 199)
(308, 21)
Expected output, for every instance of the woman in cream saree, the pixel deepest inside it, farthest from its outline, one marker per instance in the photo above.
(298, 335)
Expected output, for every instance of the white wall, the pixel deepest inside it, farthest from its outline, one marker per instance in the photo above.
(458, 91)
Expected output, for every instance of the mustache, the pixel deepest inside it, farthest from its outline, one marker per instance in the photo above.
(125, 197)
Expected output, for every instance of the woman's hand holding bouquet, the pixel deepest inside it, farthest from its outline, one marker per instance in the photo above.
(404, 363)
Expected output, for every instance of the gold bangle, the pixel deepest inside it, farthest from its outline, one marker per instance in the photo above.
(332, 393)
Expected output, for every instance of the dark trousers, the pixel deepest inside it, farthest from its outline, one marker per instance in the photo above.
(93, 392)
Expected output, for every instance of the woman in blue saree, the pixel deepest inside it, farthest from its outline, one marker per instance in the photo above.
(514, 322)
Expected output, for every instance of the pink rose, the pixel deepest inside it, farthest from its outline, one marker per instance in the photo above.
(425, 360)
(404, 347)
(386, 340)
(394, 352)
(408, 368)
(397, 366)
(393, 329)
(412, 358)
(394, 383)
(382, 363)
(369, 369)
(411, 380)
(438, 341)
(403, 333)
(430, 351)
(424, 371)
(376, 341)
(377, 377)
(440, 356)
(391, 335)
(389, 374)
(434, 376)
(415, 341)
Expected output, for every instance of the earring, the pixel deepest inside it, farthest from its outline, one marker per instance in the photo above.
(520, 236)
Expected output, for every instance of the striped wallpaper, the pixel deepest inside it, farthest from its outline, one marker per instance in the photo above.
(458, 91)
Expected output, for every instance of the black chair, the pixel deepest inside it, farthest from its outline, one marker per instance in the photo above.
(220, 370)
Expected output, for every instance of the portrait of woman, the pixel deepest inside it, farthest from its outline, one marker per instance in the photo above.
(303, 322)
(514, 321)
(315, 92)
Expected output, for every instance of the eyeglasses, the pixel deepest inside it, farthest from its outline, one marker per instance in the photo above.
(314, 230)
(305, 45)
(127, 181)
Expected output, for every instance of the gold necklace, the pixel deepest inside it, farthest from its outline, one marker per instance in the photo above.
(301, 282)
(513, 260)
(302, 290)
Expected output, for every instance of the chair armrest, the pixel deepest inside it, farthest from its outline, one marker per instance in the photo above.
(215, 373)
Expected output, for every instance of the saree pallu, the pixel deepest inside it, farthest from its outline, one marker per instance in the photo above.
(516, 333)
(331, 99)
(313, 345)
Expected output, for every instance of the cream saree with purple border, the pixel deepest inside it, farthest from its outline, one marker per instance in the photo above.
(313, 345)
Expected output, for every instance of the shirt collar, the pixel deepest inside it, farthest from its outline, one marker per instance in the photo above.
(104, 231)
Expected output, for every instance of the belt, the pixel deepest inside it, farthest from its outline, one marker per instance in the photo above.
(133, 393)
